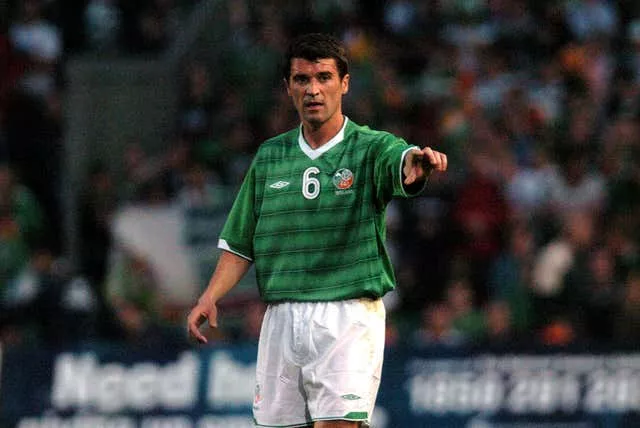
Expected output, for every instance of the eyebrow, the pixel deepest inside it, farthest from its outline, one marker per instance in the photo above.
(324, 73)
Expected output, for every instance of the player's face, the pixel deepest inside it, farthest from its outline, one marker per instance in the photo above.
(316, 90)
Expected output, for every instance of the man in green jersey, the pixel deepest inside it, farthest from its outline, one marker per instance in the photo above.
(311, 215)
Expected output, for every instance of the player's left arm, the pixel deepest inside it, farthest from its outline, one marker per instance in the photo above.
(420, 163)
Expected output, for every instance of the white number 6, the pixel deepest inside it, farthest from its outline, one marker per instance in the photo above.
(310, 184)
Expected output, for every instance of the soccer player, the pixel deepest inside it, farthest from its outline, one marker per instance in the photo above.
(311, 215)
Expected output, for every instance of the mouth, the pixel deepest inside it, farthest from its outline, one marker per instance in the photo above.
(313, 105)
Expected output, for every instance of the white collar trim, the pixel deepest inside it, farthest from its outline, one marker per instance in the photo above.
(314, 154)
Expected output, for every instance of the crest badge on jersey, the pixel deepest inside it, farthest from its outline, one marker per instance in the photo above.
(343, 179)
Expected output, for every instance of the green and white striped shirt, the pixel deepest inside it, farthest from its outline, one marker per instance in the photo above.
(313, 221)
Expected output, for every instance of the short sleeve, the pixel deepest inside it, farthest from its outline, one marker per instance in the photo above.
(389, 157)
(238, 231)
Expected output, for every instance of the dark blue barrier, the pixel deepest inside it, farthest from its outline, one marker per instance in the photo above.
(103, 386)
(481, 388)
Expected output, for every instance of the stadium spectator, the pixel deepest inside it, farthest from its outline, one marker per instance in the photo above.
(48, 304)
(498, 322)
(466, 319)
(103, 23)
(479, 214)
(148, 27)
(591, 18)
(22, 225)
(40, 43)
(422, 246)
(621, 240)
(574, 186)
(33, 115)
(594, 293)
(150, 264)
(19, 297)
(622, 151)
(195, 113)
(203, 203)
(97, 205)
(554, 261)
(436, 327)
(528, 188)
(510, 276)
(627, 323)
(141, 172)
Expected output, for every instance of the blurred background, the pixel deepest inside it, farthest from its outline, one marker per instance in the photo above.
(126, 128)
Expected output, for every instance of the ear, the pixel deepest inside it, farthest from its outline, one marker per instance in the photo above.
(286, 85)
(345, 84)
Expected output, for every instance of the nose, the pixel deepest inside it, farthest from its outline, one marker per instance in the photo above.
(313, 88)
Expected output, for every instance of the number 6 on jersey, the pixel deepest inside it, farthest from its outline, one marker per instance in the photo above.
(310, 184)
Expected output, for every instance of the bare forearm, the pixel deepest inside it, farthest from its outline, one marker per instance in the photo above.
(229, 271)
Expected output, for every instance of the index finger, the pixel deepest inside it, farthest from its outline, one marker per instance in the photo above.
(428, 151)
(193, 328)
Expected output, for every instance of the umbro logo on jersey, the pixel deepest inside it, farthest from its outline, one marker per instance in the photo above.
(279, 184)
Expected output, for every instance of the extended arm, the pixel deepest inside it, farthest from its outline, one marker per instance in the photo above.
(229, 271)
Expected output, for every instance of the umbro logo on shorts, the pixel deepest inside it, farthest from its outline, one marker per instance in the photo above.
(279, 184)
(350, 397)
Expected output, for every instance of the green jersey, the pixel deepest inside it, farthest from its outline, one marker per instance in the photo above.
(313, 221)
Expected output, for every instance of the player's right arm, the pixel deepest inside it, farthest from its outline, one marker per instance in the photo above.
(236, 243)
(229, 271)
(401, 169)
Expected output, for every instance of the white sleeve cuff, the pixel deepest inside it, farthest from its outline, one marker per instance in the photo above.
(402, 185)
(223, 245)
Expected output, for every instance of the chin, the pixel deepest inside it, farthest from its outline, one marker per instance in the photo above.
(314, 120)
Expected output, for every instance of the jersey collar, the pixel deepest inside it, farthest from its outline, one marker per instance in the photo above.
(316, 153)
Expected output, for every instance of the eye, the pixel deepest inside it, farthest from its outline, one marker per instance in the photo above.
(300, 79)
(324, 77)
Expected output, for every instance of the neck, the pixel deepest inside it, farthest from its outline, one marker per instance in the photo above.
(318, 135)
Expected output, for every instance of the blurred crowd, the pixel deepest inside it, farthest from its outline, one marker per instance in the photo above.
(531, 237)
(44, 298)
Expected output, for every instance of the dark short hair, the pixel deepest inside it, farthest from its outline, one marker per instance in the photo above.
(314, 46)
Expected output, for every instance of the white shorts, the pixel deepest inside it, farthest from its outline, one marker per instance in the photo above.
(319, 361)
